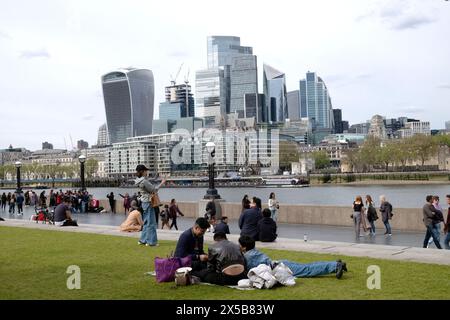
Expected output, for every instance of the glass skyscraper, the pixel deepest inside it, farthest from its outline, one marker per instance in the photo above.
(293, 101)
(208, 103)
(129, 97)
(244, 80)
(315, 101)
(275, 94)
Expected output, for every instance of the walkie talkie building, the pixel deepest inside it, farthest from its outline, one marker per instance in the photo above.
(129, 98)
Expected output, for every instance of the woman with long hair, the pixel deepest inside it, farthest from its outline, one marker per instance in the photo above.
(245, 203)
(358, 211)
(371, 214)
(273, 206)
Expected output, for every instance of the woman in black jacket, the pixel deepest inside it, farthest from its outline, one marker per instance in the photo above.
(267, 227)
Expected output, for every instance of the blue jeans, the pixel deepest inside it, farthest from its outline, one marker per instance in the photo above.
(357, 222)
(311, 269)
(447, 241)
(149, 229)
(388, 226)
(274, 214)
(372, 226)
(432, 232)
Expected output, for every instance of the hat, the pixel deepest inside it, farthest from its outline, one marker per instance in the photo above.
(141, 167)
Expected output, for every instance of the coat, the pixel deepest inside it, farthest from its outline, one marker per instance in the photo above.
(248, 222)
(267, 230)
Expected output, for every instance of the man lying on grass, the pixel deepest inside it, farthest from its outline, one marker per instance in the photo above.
(254, 258)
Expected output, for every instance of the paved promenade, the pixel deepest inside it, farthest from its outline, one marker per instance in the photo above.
(399, 253)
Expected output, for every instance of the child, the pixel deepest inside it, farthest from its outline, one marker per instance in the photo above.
(165, 217)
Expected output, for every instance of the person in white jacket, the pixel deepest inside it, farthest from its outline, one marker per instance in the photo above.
(273, 206)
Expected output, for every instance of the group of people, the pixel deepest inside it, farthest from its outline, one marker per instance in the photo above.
(226, 262)
(365, 214)
(433, 217)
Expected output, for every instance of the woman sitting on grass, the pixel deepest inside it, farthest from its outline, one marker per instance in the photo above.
(134, 221)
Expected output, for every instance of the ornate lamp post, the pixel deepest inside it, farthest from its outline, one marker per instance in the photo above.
(18, 165)
(211, 193)
(82, 160)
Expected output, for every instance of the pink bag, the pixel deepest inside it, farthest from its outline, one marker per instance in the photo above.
(165, 267)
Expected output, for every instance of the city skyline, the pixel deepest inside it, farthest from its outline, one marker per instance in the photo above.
(376, 57)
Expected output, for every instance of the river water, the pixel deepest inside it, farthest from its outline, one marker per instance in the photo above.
(401, 196)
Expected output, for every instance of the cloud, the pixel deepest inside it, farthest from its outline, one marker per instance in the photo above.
(31, 54)
(87, 117)
(413, 22)
(443, 86)
(411, 110)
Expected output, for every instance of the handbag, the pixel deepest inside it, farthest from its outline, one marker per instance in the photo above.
(165, 268)
(155, 201)
(183, 276)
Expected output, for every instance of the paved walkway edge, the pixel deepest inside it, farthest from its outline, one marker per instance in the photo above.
(398, 253)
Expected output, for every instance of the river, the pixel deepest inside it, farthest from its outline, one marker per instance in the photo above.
(401, 196)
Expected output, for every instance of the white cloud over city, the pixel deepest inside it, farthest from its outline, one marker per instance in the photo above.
(385, 57)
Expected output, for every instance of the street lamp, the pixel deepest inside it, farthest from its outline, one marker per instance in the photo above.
(18, 165)
(211, 193)
(82, 160)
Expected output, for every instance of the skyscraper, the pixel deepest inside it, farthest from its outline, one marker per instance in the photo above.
(315, 101)
(222, 50)
(181, 95)
(208, 104)
(293, 102)
(254, 106)
(275, 87)
(129, 98)
(102, 139)
(338, 124)
(243, 80)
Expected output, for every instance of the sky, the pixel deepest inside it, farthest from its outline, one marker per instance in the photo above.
(387, 57)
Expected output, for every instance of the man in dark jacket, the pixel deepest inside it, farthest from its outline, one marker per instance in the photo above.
(429, 212)
(267, 228)
(191, 243)
(248, 221)
(447, 226)
(223, 226)
(226, 264)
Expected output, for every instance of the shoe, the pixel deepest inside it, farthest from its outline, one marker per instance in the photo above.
(152, 245)
(141, 243)
(339, 270)
(344, 266)
(389, 234)
(385, 233)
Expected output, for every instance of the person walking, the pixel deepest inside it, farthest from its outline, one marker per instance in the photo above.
(429, 212)
(12, 204)
(165, 216)
(358, 209)
(438, 218)
(126, 202)
(273, 206)
(372, 215)
(3, 201)
(112, 202)
(447, 226)
(20, 200)
(174, 211)
(386, 214)
(148, 236)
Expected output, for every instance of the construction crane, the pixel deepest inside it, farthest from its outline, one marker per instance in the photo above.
(186, 82)
(174, 80)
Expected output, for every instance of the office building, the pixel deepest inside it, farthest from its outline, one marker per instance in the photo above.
(102, 137)
(293, 102)
(275, 93)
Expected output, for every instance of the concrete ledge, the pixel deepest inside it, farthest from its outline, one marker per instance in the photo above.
(398, 253)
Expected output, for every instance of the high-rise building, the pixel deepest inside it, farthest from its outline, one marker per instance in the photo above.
(222, 50)
(338, 124)
(243, 80)
(275, 93)
(254, 106)
(345, 126)
(81, 145)
(129, 97)
(102, 138)
(180, 94)
(447, 125)
(208, 87)
(315, 101)
(293, 102)
(377, 128)
(47, 146)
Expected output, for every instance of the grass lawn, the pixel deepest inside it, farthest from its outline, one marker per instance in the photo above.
(33, 265)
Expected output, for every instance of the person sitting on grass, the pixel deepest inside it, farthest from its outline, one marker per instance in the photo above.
(134, 221)
(254, 258)
(223, 226)
(190, 243)
(165, 216)
(63, 215)
(226, 264)
(267, 227)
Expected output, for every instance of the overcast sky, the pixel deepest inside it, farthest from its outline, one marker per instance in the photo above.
(376, 57)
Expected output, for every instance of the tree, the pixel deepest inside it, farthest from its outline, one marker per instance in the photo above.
(424, 147)
(289, 152)
(321, 159)
(91, 166)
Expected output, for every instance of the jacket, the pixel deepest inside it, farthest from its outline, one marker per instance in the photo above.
(189, 244)
(254, 258)
(223, 254)
(248, 222)
(263, 276)
(267, 230)
(222, 227)
(146, 188)
(386, 211)
(173, 211)
(447, 223)
(429, 212)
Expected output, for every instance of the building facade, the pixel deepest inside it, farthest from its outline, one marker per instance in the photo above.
(129, 97)
(102, 137)
(243, 81)
(275, 94)
(293, 102)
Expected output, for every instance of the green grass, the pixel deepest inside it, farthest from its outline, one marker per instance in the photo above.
(33, 265)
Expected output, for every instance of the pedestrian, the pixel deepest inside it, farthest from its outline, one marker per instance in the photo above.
(112, 202)
(12, 204)
(3, 199)
(27, 199)
(248, 221)
(429, 212)
(245, 203)
(165, 215)
(174, 211)
(357, 216)
(148, 236)
(273, 206)
(438, 218)
(386, 214)
(126, 202)
(267, 227)
(20, 200)
(447, 226)
(372, 215)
